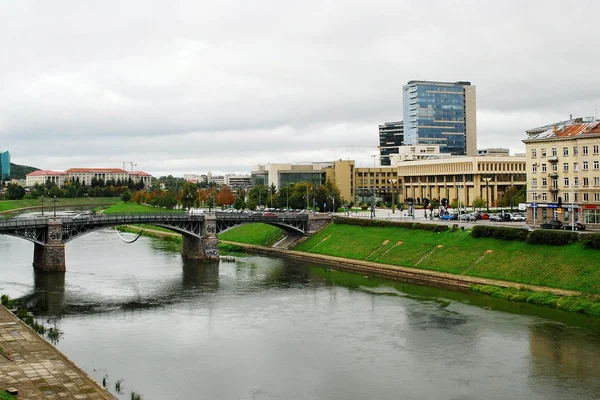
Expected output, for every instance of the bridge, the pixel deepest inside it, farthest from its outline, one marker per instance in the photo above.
(199, 232)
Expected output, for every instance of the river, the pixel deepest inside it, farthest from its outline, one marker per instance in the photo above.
(267, 328)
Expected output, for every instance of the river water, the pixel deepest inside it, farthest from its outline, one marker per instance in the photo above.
(266, 328)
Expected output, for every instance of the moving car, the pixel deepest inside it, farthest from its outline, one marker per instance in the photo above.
(551, 224)
(574, 227)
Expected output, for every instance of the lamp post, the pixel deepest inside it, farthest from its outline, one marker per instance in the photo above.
(55, 200)
(287, 200)
(42, 200)
(393, 182)
(487, 180)
(259, 198)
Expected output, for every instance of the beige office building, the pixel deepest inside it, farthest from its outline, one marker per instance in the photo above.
(563, 166)
(461, 178)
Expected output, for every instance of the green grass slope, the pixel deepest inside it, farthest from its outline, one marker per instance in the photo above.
(258, 234)
(567, 267)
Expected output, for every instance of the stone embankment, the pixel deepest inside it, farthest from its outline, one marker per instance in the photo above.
(37, 369)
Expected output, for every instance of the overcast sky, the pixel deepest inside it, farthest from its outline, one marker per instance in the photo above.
(195, 86)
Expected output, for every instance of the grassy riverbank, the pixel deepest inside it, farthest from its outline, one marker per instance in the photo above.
(10, 205)
(571, 267)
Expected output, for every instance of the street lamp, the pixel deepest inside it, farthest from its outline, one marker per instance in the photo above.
(55, 200)
(42, 200)
(287, 200)
(393, 182)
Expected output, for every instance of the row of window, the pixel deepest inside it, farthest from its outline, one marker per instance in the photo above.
(566, 198)
(566, 181)
(585, 166)
(565, 151)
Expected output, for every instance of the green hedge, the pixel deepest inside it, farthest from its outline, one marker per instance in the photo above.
(552, 237)
(591, 241)
(380, 223)
(499, 232)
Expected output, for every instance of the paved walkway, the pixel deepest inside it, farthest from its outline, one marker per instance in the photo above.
(38, 370)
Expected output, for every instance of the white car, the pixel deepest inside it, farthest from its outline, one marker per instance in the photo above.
(517, 217)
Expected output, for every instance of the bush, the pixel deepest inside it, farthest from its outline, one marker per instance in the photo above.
(498, 232)
(591, 241)
(552, 238)
(381, 223)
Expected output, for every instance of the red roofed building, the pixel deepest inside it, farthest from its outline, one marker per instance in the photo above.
(85, 176)
(42, 176)
(563, 172)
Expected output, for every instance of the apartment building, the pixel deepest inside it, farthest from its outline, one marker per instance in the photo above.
(563, 167)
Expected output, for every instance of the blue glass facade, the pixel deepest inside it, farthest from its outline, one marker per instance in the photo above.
(435, 114)
(4, 165)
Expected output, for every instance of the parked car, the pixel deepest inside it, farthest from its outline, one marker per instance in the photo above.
(447, 217)
(495, 218)
(574, 227)
(551, 224)
(517, 217)
(467, 217)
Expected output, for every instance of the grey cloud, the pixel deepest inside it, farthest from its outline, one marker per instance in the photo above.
(196, 86)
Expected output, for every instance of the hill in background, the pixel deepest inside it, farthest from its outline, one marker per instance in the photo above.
(19, 171)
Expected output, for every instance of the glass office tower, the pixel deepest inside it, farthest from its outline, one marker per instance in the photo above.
(4, 165)
(441, 113)
(391, 137)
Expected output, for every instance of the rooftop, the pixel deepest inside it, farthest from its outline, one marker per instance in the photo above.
(46, 172)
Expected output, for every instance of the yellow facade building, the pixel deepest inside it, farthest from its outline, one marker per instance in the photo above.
(563, 167)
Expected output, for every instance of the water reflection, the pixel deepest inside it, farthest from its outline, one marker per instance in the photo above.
(199, 274)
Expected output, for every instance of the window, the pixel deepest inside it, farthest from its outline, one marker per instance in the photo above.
(586, 181)
(544, 182)
(544, 197)
(586, 197)
(565, 151)
(597, 181)
(543, 152)
(596, 197)
(534, 153)
(584, 166)
(566, 167)
(566, 195)
(596, 165)
(595, 149)
(566, 182)
(534, 183)
(584, 150)
(576, 181)
(576, 197)
(575, 167)
(544, 167)
(534, 168)
(554, 153)
(554, 167)
(575, 150)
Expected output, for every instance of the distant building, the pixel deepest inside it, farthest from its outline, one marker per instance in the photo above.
(235, 180)
(284, 174)
(391, 137)
(85, 176)
(42, 176)
(417, 152)
(563, 166)
(494, 152)
(441, 113)
(4, 166)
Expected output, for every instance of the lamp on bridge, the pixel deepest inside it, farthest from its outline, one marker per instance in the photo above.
(42, 200)
(55, 200)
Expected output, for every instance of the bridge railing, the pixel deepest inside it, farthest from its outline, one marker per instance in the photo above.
(14, 223)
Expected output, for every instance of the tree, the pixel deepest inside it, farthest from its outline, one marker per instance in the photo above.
(14, 191)
(239, 203)
(189, 193)
(225, 196)
(126, 196)
(479, 202)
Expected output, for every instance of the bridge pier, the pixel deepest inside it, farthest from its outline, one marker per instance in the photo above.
(51, 255)
(205, 247)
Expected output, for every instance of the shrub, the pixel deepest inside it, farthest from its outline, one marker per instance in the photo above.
(591, 241)
(498, 232)
(552, 238)
(381, 223)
